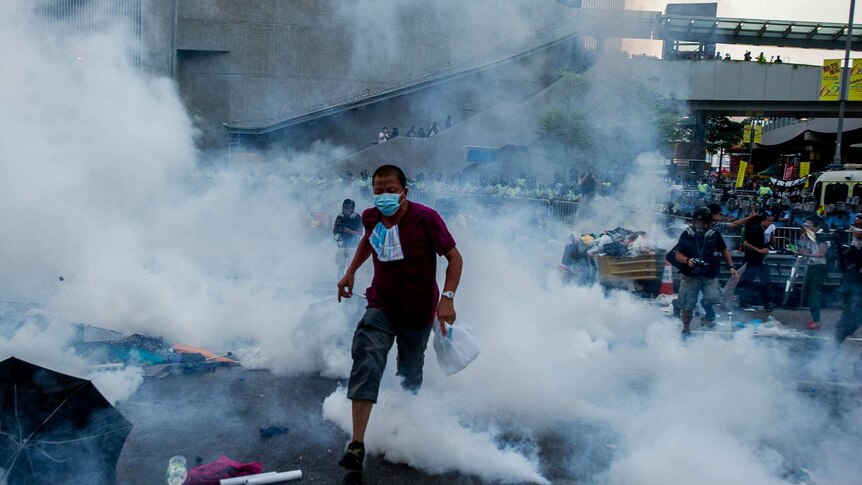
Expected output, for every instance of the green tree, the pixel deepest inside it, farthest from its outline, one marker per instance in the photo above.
(566, 122)
(722, 133)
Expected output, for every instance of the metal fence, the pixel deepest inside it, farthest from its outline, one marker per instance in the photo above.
(786, 235)
(564, 212)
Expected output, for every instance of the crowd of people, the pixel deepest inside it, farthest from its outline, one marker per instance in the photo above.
(524, 186)
(702, 246)
(790, 205)
(422, 131)
(717, 56)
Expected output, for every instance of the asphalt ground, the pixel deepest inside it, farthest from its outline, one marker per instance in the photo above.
(208, 414)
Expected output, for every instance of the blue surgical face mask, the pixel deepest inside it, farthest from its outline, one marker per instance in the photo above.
(388, 203)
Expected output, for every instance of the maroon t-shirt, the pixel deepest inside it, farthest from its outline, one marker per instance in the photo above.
(406, 290)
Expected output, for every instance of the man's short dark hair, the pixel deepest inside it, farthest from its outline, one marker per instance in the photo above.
(348, 203)
(714, 208)
(386, 170)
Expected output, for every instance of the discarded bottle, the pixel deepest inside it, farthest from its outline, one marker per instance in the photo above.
(177, 472)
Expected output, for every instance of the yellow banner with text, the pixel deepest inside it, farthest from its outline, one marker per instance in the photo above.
(740, 175)
(830, 82)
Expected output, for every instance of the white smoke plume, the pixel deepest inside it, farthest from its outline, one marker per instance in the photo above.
(104, 186)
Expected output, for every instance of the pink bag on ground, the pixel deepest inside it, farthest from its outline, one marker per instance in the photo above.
(224, 467)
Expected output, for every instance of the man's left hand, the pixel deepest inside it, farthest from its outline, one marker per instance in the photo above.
(734, 273)
(445, 313)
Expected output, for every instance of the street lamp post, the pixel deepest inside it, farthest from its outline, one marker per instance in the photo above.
(845, 75)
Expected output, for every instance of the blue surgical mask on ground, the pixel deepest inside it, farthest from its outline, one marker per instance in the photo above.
(387, 203)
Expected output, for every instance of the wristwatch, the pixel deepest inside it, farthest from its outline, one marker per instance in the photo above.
(448, 294)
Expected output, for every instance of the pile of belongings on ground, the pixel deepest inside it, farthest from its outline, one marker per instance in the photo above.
(108, 348)
(579, 255)
(619, 242)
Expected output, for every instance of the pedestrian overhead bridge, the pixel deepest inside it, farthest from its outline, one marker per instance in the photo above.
(733, 88)
(635, 24)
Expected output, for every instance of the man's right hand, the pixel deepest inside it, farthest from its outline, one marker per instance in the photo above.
(345, 286)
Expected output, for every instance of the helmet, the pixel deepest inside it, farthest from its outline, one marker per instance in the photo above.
(702, 214)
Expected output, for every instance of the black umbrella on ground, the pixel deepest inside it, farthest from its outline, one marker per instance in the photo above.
(56, 428)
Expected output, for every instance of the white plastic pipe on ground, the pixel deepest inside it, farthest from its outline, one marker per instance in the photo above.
(243, 479)
(277, 478)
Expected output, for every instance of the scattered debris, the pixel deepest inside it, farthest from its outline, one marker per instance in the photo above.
(270, 431)
(215, 472)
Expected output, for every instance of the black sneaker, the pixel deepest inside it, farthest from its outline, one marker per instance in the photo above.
(353, 457)
(686, 334)
(707, 324)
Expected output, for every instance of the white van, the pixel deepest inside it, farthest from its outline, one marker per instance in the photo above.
(839, 186)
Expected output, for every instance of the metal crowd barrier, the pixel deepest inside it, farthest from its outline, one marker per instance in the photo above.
(564, 212)
(786, 235)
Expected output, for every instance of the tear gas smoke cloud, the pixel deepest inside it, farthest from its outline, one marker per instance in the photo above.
(111, 195)
(101, 184)
(714, 411)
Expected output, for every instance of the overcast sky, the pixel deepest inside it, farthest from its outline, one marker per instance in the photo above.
(836, 11)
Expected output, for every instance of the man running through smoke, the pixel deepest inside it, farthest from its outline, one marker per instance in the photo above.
(404, 239)
(697, 257)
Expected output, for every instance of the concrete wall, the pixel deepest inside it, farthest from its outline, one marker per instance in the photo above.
(257, 62)
(463, 98)
(157, 20)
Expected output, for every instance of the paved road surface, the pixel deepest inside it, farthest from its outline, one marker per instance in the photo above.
(206, 415)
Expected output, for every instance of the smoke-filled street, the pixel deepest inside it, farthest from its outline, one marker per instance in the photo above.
(239, 403)
(232, 235)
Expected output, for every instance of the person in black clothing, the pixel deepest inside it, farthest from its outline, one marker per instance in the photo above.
(347, 231)
(697, 257)
(755, 248)
(588, 183)
(850, 264)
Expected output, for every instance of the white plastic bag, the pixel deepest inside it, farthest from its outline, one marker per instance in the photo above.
(457, 349)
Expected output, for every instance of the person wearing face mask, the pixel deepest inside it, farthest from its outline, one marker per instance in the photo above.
(696, 255)
(404, 239)
(815, 273)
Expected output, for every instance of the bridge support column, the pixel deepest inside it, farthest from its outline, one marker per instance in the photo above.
(699, 135)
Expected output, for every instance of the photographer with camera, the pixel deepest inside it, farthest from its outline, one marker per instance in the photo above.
(696, 255)
(347, 231)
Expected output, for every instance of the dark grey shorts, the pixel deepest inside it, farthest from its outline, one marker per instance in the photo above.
(690, 286)
(371, 343)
